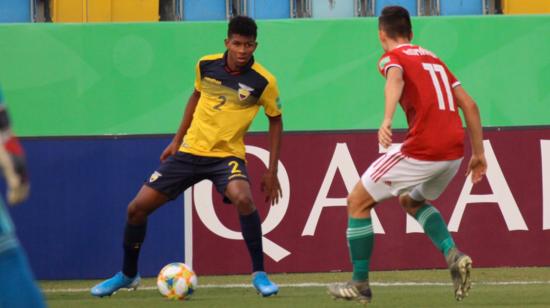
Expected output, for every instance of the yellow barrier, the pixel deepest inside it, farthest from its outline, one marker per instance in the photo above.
(68, 10)
(135, 10)
(526, 7)
(104, 10)
(99, 10)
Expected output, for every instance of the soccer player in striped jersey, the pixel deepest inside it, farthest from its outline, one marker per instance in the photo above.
(421, 168)
(17, 286)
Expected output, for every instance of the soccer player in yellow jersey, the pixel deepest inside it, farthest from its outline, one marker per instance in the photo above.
(229, 90)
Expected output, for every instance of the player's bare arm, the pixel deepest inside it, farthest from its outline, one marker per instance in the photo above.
(270, 182)
(12, 161)
(392, 91)
(477, 166)
(173, 147)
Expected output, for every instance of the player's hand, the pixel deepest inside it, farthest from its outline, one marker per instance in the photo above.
(170, 150)
(271, 188)
(384, 134)
(477, 167)
(18, 193)
(17, 180)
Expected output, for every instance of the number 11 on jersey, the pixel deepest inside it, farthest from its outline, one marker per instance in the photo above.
(436, 68)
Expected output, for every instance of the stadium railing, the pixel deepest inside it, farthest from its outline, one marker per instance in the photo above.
(191, 10)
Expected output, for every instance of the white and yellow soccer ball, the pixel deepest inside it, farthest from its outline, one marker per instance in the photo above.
(176, 281)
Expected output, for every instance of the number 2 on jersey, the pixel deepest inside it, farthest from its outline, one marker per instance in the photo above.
(222, 99)
(433, 69)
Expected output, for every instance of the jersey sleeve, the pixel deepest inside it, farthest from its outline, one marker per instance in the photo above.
(198, 76)
(453, 81)
(387, 61)
(270, 99)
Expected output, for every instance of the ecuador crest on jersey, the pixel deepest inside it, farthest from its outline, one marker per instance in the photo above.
(244, 91)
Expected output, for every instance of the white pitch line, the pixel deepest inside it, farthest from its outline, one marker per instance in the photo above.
(317, 284)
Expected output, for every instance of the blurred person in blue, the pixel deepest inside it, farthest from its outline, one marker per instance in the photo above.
(17, 286)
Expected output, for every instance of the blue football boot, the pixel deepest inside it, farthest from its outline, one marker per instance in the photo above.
(113, 284)
(263, 285)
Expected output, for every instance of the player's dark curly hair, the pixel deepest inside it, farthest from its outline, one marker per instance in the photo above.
(396, 22)
(242, 25)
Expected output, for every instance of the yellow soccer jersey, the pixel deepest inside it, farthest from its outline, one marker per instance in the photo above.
(228, 104)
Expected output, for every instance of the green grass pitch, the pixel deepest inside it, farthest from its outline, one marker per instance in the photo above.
(501, 287)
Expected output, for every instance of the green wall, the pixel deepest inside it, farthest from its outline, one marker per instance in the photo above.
(96, 79)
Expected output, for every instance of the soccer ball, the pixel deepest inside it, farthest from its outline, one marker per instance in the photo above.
(176, 281)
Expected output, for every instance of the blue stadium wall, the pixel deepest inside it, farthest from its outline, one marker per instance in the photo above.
(75, 230)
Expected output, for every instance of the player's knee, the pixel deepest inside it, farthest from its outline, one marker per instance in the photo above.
(352, 202)
(358, 206)
(244, 203)
(409, 204)
(136, 215)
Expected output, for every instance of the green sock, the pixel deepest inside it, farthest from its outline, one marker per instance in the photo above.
(360, 237)
(435, 228)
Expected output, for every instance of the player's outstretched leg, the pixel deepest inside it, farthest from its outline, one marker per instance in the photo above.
(460, 266)
(115, 283)
(351, 290)
(263, 285)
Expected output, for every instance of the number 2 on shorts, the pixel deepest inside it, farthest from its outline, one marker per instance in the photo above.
(235, 167)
